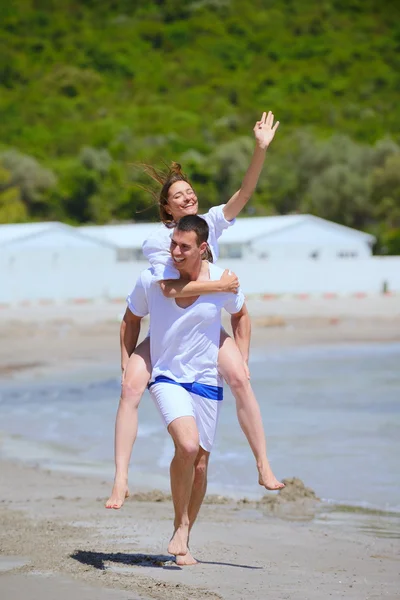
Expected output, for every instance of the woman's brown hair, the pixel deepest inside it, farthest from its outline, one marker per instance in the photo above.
(173, 175)
(167, 179)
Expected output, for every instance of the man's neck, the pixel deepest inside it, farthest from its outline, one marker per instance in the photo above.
(198, 270)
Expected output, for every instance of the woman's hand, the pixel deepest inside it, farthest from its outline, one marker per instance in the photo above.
(265, 129)
(229, 282)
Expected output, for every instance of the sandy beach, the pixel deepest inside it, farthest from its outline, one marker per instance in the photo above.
(54, 529)
(57, 540)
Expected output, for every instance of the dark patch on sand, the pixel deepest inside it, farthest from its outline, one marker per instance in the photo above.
(152, 496)
(98, 559)
(11, 368)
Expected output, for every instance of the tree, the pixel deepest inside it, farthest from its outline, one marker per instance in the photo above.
(341, 195)
(385, 191)
(12, 209)
(31, 179)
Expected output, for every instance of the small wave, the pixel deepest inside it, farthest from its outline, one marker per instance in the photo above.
(363, 509)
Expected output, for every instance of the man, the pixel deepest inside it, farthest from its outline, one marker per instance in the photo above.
(185, 383)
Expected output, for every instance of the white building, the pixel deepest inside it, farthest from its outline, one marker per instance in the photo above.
(51, 261)
(282, 237)
(294, 237)
(128, 239)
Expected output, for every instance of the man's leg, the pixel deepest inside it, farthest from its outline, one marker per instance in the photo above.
(136, 377)
(196, 499)
(231, 367)
(184, 432)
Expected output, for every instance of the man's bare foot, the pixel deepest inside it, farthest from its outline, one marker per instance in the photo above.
(118, 495)
(267, 479)
(185, 561)
(178, 543)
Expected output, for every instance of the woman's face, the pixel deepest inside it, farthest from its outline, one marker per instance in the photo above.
(182, 200)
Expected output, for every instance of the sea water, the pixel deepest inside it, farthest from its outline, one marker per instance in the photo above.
(331, 415)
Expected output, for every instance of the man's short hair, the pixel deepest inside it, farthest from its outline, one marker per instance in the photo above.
(196, 224)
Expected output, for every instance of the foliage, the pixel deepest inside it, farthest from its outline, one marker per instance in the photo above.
(90, 88)
(12, 209)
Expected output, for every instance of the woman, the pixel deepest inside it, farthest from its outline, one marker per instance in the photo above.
(177, 199)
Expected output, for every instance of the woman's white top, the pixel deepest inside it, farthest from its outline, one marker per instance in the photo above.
(157, 247)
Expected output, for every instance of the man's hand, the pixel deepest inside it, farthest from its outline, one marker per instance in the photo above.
(229, 282)
(265, 129)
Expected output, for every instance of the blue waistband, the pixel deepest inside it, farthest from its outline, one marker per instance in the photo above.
(213, 392)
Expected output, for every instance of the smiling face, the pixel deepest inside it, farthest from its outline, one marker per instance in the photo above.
(182, 200)
(186, 251)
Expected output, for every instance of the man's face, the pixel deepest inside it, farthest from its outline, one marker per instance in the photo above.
(184, 249)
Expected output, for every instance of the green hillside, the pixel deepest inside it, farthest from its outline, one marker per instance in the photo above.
(90, 89)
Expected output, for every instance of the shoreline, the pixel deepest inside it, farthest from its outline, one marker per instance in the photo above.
(260, 498)
(159, 489)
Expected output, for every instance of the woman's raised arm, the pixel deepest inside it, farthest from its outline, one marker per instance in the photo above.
(264, 131)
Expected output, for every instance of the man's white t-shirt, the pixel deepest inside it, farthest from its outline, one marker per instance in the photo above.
(157, 246)
(184, 342)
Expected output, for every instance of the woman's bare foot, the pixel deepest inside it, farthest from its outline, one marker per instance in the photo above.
(267, 479)
(118, 495)
(184, 561)
(178, 543)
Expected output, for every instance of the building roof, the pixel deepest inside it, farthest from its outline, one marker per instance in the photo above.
(247, 230)
(52, 233)
(123, 236)
(14, 231)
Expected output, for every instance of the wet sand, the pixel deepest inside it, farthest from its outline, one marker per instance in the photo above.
(68, 543)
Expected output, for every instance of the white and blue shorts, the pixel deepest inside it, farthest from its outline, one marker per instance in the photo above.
(202, 402)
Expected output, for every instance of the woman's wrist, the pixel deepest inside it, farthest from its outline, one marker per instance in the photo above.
(262, 146)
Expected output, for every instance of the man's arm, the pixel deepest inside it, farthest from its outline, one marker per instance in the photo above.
(183, 288)
(129, 334)
(241, 327)
(264, 132)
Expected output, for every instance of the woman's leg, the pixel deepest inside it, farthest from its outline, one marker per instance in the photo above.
(232, 368)
(135, 380)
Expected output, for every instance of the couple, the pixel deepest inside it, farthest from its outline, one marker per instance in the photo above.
(176, 200)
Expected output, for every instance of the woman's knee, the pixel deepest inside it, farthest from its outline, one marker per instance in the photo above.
(231, 364)
(136, 377)
(235, 375)
(131, 394)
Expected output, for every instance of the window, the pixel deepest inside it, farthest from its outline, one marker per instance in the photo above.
(347, 254)
(231, 251)
(129, 254)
